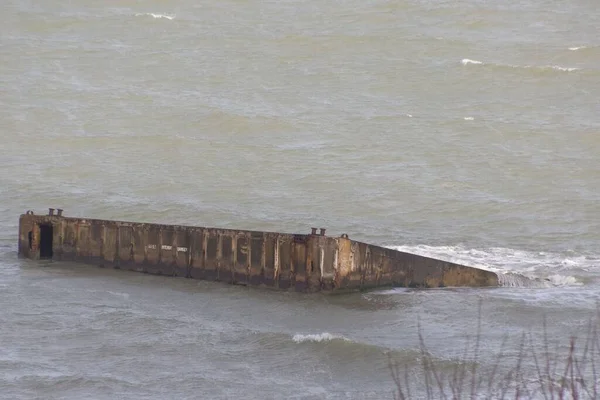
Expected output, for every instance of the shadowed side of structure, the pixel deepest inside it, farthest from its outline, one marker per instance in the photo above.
(306, 263)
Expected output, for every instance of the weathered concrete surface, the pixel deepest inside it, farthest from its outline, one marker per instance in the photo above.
(306, 263)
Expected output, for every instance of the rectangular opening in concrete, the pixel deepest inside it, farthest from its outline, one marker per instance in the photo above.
(45, 241)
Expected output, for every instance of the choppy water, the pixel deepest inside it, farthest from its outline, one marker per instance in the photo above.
(467, 130)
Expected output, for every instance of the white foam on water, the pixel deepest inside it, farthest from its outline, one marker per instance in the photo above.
(409, 115)
(468, 118)
(466, 61)
(577, 48)
(564, 69)
(319, 337)
(515, 268)
(545, 67)
(562, 280)
(156, 16)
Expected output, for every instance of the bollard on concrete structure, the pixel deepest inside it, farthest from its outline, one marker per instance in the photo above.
(305, 263)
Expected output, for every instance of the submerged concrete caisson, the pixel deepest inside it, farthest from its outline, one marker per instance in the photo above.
(307, 263)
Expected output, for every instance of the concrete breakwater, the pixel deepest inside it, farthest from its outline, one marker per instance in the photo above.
(302, 262)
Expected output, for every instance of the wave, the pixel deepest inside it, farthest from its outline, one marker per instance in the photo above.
(577, 48)
(319, 337)
(559, 68)
(374, 353)
(467, 61)
(518, 268)
(156, 16)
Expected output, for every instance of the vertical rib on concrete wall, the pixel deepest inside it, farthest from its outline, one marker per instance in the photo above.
(181, 248)
(197, 253)
(96, 243)
(269, 272)
(257, 258)
(242, 254)
(212, 251)
(225, 271)
(284, 261)
(68, 240)
(300, 278)
(110, 245)
(125, 251)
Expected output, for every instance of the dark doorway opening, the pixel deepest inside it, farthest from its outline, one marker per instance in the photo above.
(45, 241)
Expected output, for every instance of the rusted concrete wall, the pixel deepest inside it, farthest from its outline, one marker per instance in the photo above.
(306, 263)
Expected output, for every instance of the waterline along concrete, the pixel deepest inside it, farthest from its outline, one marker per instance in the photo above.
(302, 262)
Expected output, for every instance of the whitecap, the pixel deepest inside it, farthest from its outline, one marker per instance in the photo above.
(577, 48)
(319, 337)
(466, 61)
(563, 280)
(156, 16)
(545, 67)
(565, 69)
(468, 118)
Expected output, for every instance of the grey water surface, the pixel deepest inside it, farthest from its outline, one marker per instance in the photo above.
(466, 130)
